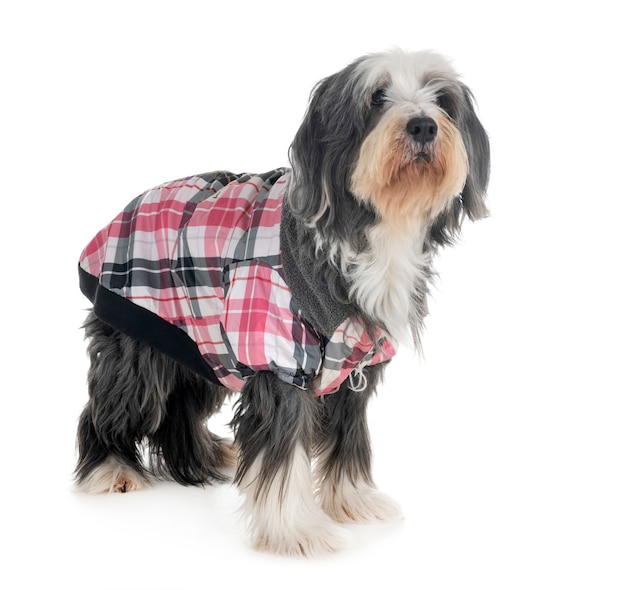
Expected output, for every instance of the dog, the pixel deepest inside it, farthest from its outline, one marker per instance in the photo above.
(291, 288)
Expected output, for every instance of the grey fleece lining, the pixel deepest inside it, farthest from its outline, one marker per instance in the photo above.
(302, 273)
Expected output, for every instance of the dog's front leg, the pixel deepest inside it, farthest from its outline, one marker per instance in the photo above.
(344, 458)
(274, 428)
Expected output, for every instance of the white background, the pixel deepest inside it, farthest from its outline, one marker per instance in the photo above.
(505, 444)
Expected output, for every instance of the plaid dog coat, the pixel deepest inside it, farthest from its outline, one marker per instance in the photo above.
(194, 268)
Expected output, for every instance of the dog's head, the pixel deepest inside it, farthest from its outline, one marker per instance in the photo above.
(393, 137)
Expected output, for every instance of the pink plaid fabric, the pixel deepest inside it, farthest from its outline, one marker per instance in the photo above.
(203, 254)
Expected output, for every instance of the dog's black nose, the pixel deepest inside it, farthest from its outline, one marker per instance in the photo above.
(422, 129)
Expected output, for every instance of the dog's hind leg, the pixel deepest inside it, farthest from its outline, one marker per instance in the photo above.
(183, 448)
(122, 406)
(101, 470)
(274, 427)
(137, 394)
(346, 490)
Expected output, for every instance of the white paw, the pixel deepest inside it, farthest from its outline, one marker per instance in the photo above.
(113, 477)
(312, 539)
(357, 503)
(283, 516)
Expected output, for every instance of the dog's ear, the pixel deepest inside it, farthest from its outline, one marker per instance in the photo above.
(471, 202)
(478, 155)
(306, 156)
(323, 151)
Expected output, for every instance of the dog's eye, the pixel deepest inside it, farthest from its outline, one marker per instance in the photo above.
(446, 103)
(378, 98)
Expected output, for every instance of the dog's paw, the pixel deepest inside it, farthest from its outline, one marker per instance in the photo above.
(293, 525)
(282, 515)
(112, 477)
(316, 540)
(360, 503)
